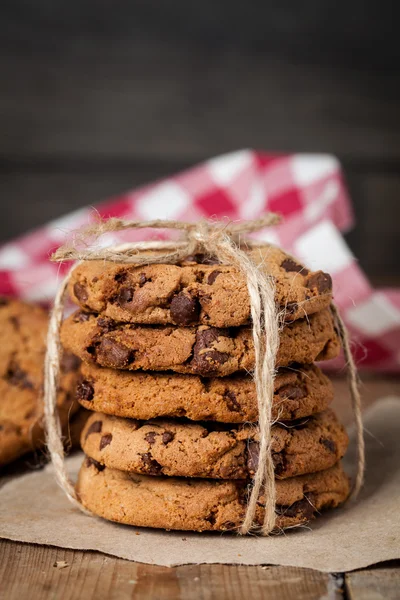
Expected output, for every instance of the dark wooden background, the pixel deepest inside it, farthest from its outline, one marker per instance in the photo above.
(99, 96)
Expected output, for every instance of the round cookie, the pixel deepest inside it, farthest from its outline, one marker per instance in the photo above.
(182, 449)
(23, 329)
(299, 392)
(197, 291)
(205, 351)
(202, 504)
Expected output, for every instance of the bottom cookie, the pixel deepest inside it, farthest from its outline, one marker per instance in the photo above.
(202, 504)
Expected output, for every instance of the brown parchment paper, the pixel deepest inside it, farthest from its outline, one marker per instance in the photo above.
(34, 509)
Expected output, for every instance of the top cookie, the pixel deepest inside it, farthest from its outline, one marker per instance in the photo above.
(197, 291)
(23, 329)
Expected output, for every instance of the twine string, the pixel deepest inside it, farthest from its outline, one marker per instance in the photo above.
(55, 445)
(222, 241)
(354, 386)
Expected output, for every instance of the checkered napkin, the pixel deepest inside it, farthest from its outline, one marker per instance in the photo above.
(307, 189)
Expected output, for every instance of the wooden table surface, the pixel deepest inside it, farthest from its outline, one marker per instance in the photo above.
(39, 572)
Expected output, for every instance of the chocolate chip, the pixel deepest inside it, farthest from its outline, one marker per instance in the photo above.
(150, 437)
(231, 401)
(85, 391)
(279, 461)
(81, 317)
(213, 276)
(303, 508)
(106, 324)
(167, 437)
(111, 353)
(205, 363)
(329, 444)
(95, 427)
(184, 309)
(69, 362)
(253, 451)
(4, 301)
(211, 518)
(321, 281)
(80, 292)
(152, 466)
(121, 276)
(105, 440)
(18, 377)
(90, 461)
(142, 279)
(291, 392)
(291, 266)
(125, 296)
(15, 322)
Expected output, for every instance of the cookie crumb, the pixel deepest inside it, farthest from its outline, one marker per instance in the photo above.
(60, 564)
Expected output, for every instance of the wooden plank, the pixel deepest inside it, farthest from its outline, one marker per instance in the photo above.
(323, 33)
(29, 571)
(215, 582)
(152, 98)
(375, 584)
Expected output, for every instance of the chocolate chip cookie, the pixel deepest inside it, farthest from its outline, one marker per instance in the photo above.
(202, 350)
(299, 392)
(23, 329)
(213, 450)
(202, 504)
(197, 291)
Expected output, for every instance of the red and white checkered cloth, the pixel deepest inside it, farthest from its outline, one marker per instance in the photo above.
(307, 189)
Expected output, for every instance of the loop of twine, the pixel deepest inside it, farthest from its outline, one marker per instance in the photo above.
(220, 240)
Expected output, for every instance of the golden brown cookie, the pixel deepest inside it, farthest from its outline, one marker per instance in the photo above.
(198, 291)
(202, 504)
(23, 329)
(205, 351)
(187, 449)
(299, 392)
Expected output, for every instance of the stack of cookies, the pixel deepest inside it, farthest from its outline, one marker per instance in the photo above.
(167, 353)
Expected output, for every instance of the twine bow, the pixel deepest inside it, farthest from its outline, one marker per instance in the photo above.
(223, 241)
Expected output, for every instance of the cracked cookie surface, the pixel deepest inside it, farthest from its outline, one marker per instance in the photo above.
(186, 449)
(197, 291)
(23, 330)
(299, 392)
(202, 504)
(202, 350)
